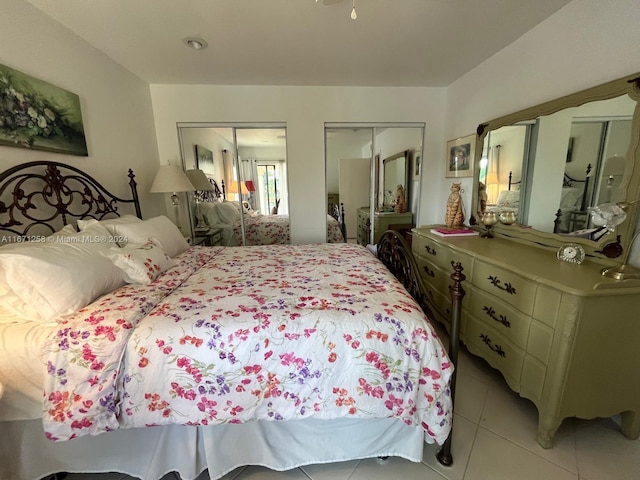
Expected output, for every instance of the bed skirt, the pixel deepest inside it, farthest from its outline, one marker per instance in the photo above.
(150, 453)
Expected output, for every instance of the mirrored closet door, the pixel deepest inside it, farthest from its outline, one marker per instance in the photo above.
(373, 173)
(246, 201)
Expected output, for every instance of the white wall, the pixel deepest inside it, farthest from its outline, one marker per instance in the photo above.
(586, 43)
(305, 110)
(116, 106)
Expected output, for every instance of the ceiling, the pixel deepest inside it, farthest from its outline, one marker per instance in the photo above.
(300, 42)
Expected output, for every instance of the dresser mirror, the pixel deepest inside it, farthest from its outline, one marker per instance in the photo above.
(395, 174)
(548, 164)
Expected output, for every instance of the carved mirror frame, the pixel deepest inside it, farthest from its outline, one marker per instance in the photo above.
(610, 245)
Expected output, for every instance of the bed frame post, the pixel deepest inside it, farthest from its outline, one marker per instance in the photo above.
(396, 254)
(457, 293)
(134, 193)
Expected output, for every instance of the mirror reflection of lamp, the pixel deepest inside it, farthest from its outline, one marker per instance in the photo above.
(233, 188)
(251, 187)
(610, 215)
(492, 187)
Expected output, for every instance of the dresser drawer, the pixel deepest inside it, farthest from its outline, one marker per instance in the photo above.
(496, 349)
(442, 255)
(506, 285)
(438, 278)
(511, 323)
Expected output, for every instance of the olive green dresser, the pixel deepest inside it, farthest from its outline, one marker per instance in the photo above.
(382, 221)
(561, 334)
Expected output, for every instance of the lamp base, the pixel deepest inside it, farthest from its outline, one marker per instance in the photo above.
(621, 272)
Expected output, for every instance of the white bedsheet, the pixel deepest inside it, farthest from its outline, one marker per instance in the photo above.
(21, 371)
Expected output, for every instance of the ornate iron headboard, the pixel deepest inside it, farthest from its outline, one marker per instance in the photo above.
(38, 198)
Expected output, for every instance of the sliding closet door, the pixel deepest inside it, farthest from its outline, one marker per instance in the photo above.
(374, 171)
(249, 163)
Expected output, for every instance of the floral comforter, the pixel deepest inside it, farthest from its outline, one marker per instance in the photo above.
(231, 335)
(274, 230)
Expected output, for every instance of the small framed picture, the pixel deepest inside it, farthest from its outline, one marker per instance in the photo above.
(460, 155)
(417, 160)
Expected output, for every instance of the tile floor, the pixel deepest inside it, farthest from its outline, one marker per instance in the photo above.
(494, 439)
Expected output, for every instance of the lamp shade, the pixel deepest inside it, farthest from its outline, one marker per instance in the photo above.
(199, 180)
(233, 188)
(169, 179)
(492, 178)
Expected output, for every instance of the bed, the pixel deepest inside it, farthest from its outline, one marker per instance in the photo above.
(259, 229)
(300, 353)
(572, 212)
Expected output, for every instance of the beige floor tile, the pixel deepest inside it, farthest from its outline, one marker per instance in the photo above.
(331, 471)
(471, 393)
(604, 453)
(464, 433)
(392, 469)
(495, 458)
(515, 418)
(475, 366)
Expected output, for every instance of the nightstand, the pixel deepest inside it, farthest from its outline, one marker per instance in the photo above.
(210, 237)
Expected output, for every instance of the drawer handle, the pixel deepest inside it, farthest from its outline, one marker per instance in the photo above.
(507, 286)
(428, 271)
(492, 313)
(430, 250)
(495, 348)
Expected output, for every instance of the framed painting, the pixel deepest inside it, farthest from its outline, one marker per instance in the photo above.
(460, 154)
(204, 160)
(37, 115)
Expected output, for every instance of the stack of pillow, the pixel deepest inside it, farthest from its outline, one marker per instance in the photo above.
(68, 270)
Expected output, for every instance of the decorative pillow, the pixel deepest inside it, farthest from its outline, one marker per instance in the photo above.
(57, 277)
(110, 224)
(160, 228)
(228, 213)
(141, 263)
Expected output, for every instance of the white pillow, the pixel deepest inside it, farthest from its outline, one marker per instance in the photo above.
(141, 263)
(502, 198)
(110, 224)
(209, 212)
(228, 213)
(60, 276)
(513, 198)
(160, 228)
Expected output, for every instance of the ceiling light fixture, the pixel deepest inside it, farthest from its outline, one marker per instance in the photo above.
(354, 15)
(195, 43)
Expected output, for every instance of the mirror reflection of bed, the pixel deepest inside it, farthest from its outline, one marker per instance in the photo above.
(551, 155)
(251, 161)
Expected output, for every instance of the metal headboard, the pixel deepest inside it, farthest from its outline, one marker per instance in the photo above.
(38, 198)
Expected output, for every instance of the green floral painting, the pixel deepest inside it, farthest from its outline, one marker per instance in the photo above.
(37, 115)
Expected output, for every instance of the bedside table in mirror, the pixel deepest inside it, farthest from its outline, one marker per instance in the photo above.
(210, 237)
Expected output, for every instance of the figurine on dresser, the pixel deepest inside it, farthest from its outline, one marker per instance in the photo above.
(401, 201)
(454, 217)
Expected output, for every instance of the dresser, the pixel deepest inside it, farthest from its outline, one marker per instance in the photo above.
(561, 334)
(382, 221)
